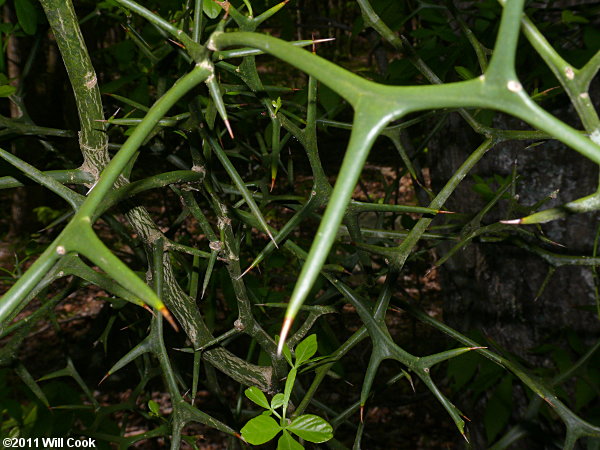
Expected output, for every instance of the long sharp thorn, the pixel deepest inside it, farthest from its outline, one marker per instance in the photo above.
(285, 329)
(250, 267)
(272, 184)
(273, 239)
(412, 385)
(167, 315)
(512, 222)
(177, 43)
(104, 378)
(228, 126)
(362, 412)
(319, 41)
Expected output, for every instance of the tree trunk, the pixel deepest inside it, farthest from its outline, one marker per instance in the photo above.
(492, 287)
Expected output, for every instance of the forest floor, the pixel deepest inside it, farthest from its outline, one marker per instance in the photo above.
(396, 416)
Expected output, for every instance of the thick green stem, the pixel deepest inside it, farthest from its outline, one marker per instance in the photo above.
(93, 140)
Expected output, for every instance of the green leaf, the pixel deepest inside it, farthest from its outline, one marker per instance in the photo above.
(154, 408)
(7, 90)
(562, 359)
(276, 105)
(287, 354)
(499, 408)
(311, 428)
(26, 15)
(287, 442)
(584, 393)
(306, 349)
(259, 430)
(569, 17)
(277, 401)
(257, 396)
(45, 214)
(210, 8)
(462, 369)
(289, 385)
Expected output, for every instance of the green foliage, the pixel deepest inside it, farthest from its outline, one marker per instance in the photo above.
(309, 427)
(203, 126)
(26, 15)
(46, 214)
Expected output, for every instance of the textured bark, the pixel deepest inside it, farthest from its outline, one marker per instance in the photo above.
(492, 287)
(92, 138)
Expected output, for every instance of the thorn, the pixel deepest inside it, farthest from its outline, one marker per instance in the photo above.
(167, 315)
(466, 418)
(362, 411)
(412, 385)
(147, 308)
(477, 348)
(228, 126)
(314, 46)
(285, 329)
(272, 184)
(441, 211)
(104, 378)
(466, 439)
(250, 267)
(177, 43)
(319, 41)
(512, 222)
(273, 239)
(558, 244)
